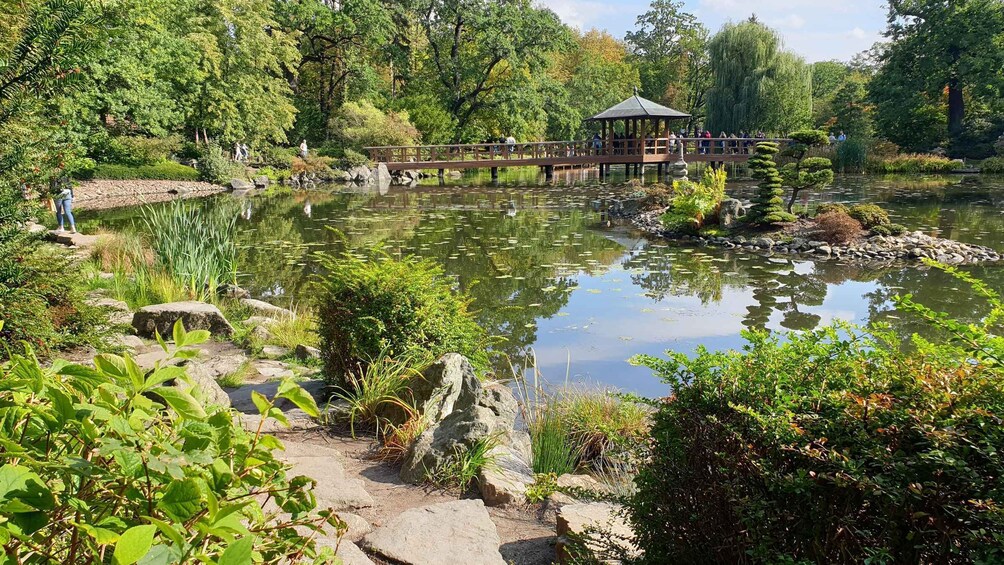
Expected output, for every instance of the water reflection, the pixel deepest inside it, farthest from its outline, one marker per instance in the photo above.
(544, 272)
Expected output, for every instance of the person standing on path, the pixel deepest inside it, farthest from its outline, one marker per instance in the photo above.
(62, 190)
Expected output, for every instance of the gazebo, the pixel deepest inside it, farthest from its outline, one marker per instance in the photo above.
(646, 129)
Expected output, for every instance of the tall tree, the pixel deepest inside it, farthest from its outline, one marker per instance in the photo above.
(756, 84)
(852, 112)
(939, 46)
(671, 47)
(483, 52)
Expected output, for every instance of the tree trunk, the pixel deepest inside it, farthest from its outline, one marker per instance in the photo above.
(956, 108)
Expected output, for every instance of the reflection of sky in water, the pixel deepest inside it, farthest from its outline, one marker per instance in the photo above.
(587, 298)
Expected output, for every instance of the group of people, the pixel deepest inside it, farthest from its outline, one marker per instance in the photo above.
(837, 138)
(241, 152)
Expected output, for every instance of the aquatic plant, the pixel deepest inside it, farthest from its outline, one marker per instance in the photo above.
(835, 445)
(194, 245)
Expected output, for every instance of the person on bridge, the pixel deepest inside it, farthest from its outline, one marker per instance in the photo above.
(510, 142)
(597, 143)
(672, 142)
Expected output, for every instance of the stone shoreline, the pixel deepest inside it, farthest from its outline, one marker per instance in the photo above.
(909, 247)
(104, 194)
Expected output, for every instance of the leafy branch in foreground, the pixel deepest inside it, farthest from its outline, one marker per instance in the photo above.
(116, 462)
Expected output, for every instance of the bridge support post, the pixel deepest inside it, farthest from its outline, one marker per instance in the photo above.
(495, 174)
(603, 171)
(627, 170)
(549, 173)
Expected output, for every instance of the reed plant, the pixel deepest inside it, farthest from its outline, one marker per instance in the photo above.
(379, 387)
(550, 441)
(465, 463)
(194, 245)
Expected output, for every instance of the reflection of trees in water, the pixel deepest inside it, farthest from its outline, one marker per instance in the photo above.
(674, 272)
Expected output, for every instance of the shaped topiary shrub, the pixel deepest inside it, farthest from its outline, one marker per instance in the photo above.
(830, 446)
(373, 305)
(831, 207)
(870, 215)
(768, 208)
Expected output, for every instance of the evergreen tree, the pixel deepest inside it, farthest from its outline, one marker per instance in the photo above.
(768, 207)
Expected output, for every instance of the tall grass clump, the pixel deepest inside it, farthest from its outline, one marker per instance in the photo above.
(121, 252)
(851, 156)
(372, 305)
(839, 445)
(992, 166)
(913, 163)
(194, 245)
(608, 430)
(550, 439)
(379, 388)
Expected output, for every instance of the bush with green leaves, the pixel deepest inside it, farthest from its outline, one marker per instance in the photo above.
(164, 170)
(114, 464)
(890, 229)
(372, 304)
(133, 151)
(767, 207)
(840, 445)
(870, 215)
(361, 124)
(693, 203)
(215, 165)
(992, 166)
(831, 207)
(913, 163)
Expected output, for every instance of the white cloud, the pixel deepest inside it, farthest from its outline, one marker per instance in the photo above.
(791, 21)
(857, 33)
(582, 14)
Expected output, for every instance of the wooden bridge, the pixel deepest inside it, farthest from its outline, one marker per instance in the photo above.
(549, 154)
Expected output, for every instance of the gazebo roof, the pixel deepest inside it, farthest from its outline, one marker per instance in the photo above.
(637, 107)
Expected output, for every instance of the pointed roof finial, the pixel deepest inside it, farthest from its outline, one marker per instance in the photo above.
(636, 91)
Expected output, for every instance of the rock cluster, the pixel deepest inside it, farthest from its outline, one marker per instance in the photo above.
(913, 246)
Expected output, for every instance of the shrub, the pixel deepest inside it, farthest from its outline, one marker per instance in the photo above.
(606, 430)
(278, 157)
(870, 215)
(274, 174)
(830, 446)
(656, 197)
(993, 166)
(361, 124)
(694, 202)
(113, 465)
(165, 170)
(134, 151)
(767, 207)
(913, 163)
(831, 207)
(315, 165)
(215, 166)
(835, 227)
(882, 149)
(371, 305)
(352, 159)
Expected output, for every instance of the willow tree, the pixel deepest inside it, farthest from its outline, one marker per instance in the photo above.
(755, 83)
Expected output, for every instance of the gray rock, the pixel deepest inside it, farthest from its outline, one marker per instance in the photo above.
(454, 532)
(240, 185)
(305, 352)
(762, 242)
(118, 312)
(261, 181)
(128, 342)
(207, 389)
(265, 309)
(506, 479)
(478, 413)
(358, 526)
(324, 465)
(338, 175)
(730, 212)
(274, 351)
(194, 315)
(350, 554)
(261, 333)
(599, 525)
(362, 173)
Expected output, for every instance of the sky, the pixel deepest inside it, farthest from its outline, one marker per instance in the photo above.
(819, 30)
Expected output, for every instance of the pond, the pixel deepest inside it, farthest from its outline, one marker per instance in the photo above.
(546, 274)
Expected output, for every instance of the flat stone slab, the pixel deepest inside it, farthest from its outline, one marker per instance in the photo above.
(324, 465)
(194, 315)
(73, 239)
(265, 309)
(505, 481)
(597, 525)
(442, 534)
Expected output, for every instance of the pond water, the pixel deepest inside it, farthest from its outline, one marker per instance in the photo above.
(545, 274)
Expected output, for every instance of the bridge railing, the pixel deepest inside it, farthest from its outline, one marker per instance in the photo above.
(543, 151)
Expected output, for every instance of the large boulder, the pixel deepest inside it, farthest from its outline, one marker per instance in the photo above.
(261, 181)
(505, 481)
(263, 308)
(361, 174)
(730, 212)
(479, 412)
(195, 315)
(240, 184)
(593, 531)
(454, 532)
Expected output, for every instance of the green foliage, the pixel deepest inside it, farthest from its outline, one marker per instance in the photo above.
(852, 156)
(606, 430)
(379, 389)
(361, 124)
(694, 202)
(756, 85)
(215, 165)
(907, 163)
(806, 172)
(550, 441)
(147, 472)
(852, 110)
(194, 246)
(767, 205)
(837, 227)
(831, 207)
(993, 166)
(354, 159)
(166, 170)
(544, 485)
(835, 445)
(133, 151)
(465, 463)
(372, 305)
(870, 215)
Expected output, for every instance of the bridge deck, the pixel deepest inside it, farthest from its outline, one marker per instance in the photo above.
(557, 153)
